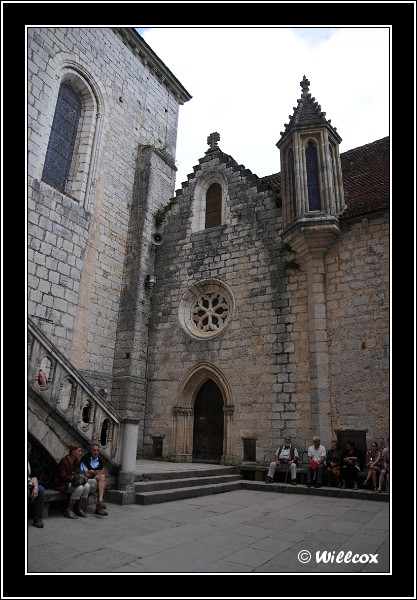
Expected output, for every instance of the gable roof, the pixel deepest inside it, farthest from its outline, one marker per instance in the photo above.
(366, 178)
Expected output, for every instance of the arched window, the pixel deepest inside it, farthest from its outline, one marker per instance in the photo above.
(333, 177)
(86, 412)
(209, 202)
(213, 206)
(74, 136)
(64, 129)
(104, 432)
(313, 185)
(292, 184)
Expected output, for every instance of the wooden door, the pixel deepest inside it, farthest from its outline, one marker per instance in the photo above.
(208, 424)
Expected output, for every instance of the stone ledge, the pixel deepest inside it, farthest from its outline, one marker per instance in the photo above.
(120, 496)
(287, 488)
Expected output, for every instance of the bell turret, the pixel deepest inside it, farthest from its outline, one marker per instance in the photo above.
(311, 175)
(312, 199)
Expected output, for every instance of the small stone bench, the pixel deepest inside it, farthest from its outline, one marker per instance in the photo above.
(258, 471)
(55, 500)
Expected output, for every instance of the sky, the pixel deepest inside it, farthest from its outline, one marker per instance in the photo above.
(245, 82)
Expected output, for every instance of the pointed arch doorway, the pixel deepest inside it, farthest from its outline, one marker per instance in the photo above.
(208, 429)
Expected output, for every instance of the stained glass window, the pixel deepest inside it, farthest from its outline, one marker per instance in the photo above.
(62, 139)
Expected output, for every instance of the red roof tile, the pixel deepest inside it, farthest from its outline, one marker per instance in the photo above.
(366, 178)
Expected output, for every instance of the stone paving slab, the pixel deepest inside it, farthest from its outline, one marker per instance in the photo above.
(234, 532)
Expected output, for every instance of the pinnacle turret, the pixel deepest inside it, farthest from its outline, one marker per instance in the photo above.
(308, 113)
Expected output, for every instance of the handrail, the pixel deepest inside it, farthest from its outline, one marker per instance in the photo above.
(72, 397)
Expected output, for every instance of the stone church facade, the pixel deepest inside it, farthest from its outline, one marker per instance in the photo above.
(216, 317)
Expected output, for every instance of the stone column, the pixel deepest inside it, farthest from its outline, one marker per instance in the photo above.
(227, 458)
(128, 455)
(319, 358)
(183, 434)
(311, 239)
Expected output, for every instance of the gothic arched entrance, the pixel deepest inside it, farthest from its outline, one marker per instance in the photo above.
(208, 430)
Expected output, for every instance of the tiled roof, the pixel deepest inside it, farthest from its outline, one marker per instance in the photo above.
(366, 178)
(273, 180)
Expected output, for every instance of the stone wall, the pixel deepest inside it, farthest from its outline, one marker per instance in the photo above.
(254, 354)
(89, 253)
(261, 358)
(358, 304)
(77, 247)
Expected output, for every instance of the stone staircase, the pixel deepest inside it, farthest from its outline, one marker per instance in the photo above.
(179, 485)
(162, 486)
(156, 486)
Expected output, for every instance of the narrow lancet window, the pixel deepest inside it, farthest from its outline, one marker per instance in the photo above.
(213, 206)
(313, 185)
(62, 139)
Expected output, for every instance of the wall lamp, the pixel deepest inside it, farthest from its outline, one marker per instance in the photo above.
(150, 280)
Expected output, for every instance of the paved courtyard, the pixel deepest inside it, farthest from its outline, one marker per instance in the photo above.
(242, 531)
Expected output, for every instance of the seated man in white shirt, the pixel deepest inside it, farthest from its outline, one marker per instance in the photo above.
(316, 455)
(285, 455)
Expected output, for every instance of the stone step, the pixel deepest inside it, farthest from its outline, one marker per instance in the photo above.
(165, 484)
(329, 492)
(158, 491)
(209, 472)
(167, 495)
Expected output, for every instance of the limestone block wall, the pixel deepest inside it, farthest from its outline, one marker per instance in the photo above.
(358, 305)
(90, 251)
(77, 247)
(261, 358)
(255, 354)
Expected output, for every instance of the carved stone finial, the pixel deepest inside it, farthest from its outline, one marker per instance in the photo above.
(305, 85)
(213, 140)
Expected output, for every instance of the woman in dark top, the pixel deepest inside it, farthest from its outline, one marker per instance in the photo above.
(351, 465)
(334, 461)
(69, 466)
(374, 464)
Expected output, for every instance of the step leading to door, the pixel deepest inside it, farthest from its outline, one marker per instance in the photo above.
(165, 484)
(166, 495)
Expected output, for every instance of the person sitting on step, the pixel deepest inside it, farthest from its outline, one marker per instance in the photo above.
(68, 479)
(92, 466)
(286, 454)
(316, 455)
(374, 463)
(384, 474)
(36, 491)
(334, 461)
(352, 463)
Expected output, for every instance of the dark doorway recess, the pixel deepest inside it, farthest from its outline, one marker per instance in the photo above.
(208, 424)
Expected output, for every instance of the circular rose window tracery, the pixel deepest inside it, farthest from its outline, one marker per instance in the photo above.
(206, 308)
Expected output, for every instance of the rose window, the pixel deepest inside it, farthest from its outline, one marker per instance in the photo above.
(206, 308)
